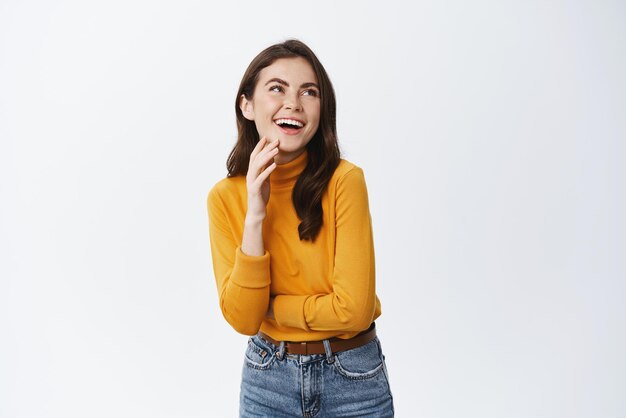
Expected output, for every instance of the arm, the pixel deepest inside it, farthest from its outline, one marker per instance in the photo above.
(243, 281)
(351, 304)
(243, 271)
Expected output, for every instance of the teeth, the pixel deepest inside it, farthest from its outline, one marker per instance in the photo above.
(290, 122)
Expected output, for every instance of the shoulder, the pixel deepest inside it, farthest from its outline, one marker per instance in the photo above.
(348, 183)
(348, 190)
(228, 188)
(349, 172)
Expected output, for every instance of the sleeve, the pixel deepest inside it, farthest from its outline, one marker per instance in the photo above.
(243, 281)
(351, 304)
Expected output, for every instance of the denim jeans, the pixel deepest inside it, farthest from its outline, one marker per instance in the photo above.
(349, 383)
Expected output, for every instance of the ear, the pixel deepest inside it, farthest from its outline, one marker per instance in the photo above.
(247, 108)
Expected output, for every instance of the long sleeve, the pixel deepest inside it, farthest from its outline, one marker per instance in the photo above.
(243, 281)
(351, 304)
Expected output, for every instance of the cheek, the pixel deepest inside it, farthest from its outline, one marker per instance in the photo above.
(269, 106)
(317, 121)
(262, 109)
(315, 115)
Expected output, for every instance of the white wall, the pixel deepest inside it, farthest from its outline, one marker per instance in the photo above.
(492, 135)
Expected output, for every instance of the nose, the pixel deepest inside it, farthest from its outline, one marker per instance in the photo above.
(292, 102)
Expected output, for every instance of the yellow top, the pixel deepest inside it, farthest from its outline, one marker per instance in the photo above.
(323, 289)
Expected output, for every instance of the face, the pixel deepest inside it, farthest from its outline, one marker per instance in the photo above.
(285, 106)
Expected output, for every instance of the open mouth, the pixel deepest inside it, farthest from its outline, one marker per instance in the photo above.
(290, 126)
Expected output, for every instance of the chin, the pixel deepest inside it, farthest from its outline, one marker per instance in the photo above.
(290, 147)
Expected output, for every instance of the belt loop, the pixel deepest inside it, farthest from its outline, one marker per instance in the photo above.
(281, 351)
(329, 353)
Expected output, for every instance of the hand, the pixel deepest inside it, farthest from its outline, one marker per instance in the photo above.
(257, 180)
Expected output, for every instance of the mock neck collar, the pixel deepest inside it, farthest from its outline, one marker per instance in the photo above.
(287, 174)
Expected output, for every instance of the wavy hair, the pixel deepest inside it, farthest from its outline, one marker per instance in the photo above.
(323, 150)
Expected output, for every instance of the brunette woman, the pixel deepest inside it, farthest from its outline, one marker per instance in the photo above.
(293, 251)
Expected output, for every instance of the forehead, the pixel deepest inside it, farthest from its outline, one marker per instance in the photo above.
(295, 71)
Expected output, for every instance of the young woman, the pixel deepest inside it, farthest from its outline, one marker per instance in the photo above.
(292, 248)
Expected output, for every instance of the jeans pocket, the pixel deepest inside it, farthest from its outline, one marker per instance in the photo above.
(359, 363)
(258, 356)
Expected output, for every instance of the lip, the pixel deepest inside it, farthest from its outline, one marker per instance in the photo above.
(290, 118)
(286, 132)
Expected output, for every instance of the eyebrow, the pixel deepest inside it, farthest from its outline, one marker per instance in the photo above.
(284, 83)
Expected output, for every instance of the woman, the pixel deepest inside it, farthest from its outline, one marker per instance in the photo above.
(292, 248)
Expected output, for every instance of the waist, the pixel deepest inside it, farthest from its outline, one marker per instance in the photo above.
(317, 347)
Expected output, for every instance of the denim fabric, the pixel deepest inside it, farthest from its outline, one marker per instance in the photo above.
(351, 383)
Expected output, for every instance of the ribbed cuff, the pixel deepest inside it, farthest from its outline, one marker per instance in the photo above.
(251, 271)
(289, 311)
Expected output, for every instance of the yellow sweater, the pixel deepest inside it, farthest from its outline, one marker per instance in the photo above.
(323, 289)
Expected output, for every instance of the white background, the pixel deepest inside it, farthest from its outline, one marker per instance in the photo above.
(492, 135)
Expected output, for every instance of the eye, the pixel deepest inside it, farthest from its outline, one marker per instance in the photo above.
(276, 88)
(310, 92)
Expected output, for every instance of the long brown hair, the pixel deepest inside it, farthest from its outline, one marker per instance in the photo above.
(323, 149)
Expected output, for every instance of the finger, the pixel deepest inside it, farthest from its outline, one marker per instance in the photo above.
(258, 147)
(267, 157)
(264, 174)
(271, 143)
(261, 162)
(267, 147)
(270, 150)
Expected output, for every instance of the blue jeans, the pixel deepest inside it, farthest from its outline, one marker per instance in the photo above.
(345, 384)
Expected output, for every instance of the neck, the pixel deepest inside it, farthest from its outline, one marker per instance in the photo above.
(286, 173)
(284, 158)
